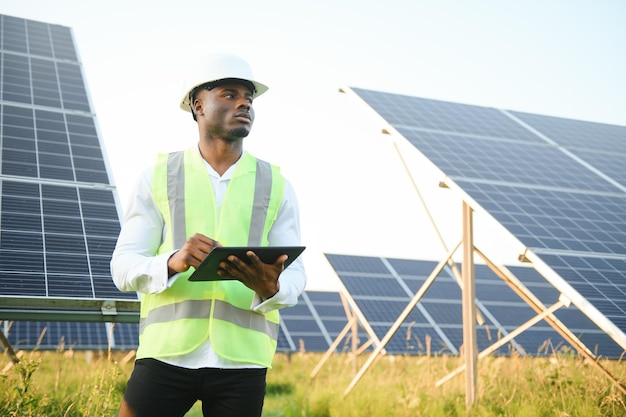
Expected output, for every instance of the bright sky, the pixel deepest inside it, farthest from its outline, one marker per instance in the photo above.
(560, 57)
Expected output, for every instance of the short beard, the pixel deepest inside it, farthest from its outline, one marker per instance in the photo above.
(239, 133)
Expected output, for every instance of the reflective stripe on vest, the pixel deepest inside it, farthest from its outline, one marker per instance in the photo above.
(176, 193)
(200, 309)
(262, 191)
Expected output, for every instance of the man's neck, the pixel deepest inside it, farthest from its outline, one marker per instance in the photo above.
(220, 154)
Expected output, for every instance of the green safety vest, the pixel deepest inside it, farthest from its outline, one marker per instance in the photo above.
(179, 319)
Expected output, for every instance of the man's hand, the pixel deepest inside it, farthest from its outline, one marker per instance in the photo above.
(260, 277)
(193, 252)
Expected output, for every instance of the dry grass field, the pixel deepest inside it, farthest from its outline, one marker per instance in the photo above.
(91, 384)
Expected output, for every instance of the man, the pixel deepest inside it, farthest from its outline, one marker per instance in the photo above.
(209, 341)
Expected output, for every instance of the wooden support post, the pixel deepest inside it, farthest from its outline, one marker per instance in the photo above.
(469, 307)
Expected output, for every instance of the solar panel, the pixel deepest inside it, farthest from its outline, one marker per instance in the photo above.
(315, 323)
(435, 325)
(557, 185)
(490, 160)
(59, 215)
(50, 335)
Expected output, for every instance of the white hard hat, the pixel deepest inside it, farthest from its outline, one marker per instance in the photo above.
(217, 67)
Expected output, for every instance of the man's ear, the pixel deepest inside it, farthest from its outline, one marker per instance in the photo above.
(197, 107)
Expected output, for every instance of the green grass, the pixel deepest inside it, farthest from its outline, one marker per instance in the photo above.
(88, 384)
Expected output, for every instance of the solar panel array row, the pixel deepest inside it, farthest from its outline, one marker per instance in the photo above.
(383, 287)
(311, 326)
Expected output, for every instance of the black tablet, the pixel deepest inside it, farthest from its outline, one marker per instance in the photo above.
(207, 270)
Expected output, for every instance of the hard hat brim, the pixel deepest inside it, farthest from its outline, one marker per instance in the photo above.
(259, 89)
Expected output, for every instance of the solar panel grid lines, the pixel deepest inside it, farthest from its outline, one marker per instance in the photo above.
(314, 323)
(555, 219)
(126, 335)
(399, 110)
(382, 309)
(491, 160)
(611, 164)
(593, 278)
(75, 235)
(582, 158)
(49, 145)
(47, 335)
(577, 133)
(317, 318)
(434, 323)
(284, 342)
(501, 328)
(503, 310)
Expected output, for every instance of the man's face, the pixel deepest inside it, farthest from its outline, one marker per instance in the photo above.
(226, 111)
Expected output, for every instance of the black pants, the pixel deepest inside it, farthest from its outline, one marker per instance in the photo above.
(157, 389)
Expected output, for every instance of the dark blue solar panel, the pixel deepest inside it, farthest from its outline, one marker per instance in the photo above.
(443, 311)
(75, 335)
(444, 288)
(499, 160)
(557, 185)
(38, 39)
(335, 324)
(556, 220)
(386, 311)
(126, 336)
(578, 133)
(438, 315)
(408, 268)
(610, 164)
(54, 335)
(304, 325)
(369, 285)
(414, 339)
(72, 245)
(594, 278)
(314, 323)
(358, 263)
(14, 34)
(401, 110)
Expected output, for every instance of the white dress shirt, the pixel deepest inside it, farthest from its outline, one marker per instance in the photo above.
(135, 267)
